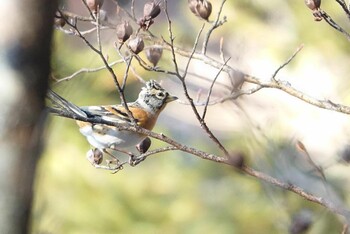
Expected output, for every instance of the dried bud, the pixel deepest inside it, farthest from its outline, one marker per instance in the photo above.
(144, 145)
(236, 159)
(154, 54)
(94, 156)
(237, 79)
(136, 44)
(151, 10)
(301, 222)
(124, 31)
(59, 21)
(203, 9)
(313, 4)
(192, 4)
(94, 4)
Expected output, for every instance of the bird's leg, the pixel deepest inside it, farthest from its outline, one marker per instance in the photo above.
(130, 154)
(133, 161)
(113, 161)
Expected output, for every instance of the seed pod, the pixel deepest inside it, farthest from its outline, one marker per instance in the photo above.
(236, 159)
(154, 54)
(59, 22)
(94, 4)
(144, 145)
(124, 31)
(301, 222)
(204, 9)
(136, 44)
(192, 4)
(94, 156)
(313, 4)
(151, 10)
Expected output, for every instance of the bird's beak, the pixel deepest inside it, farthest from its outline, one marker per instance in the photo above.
(170, 99)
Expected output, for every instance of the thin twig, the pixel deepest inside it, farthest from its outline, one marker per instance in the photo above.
(171, 37)
(126, 73)
(98, 32)
(202, 122)
(143, 156)
(285, 87)
(334, 25)
(90, 12)
(211, 89)
(87, 70)
(342, 3)
(68, 14)
(183, 77)
(215, 25)
(231, 96)
(212, 157)
(287, 62)
(132, 8)
(110, 70)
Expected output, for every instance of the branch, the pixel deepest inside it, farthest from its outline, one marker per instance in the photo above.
(334, 25)
(182, 79)
(87, 70)
(211, 89)
(330, 205)
(110, 70)
(217, 23)
(287, 62)
(342, 3)
(281, 85)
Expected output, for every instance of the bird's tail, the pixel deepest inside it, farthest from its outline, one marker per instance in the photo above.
(61, 106)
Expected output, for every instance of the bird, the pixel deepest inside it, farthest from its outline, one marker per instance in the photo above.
(151, 101)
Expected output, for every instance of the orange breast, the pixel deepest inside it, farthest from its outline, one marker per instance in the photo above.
(144, 119)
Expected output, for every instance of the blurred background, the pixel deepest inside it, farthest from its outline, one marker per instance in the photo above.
(175, 192)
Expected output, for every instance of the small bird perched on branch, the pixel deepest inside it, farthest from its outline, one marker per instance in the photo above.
(145, 110)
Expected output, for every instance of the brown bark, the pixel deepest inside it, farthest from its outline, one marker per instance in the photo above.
(25, 31)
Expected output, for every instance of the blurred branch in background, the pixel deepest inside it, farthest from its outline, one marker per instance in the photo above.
(25, 47)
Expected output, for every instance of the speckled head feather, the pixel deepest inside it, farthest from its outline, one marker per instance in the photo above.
(154, 97)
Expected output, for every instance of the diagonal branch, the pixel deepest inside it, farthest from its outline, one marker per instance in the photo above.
(334, 25)
(287, 62)
(329, 204)
(217, 23)
(211, 89)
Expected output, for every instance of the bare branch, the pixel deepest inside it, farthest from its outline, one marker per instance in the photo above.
(171, 37)
(211, 89)
(90, 12)
(281, 85)
(342, 3)
(110, 70)
(212, 157)
(183, 77)
(334, 25)
(87, 70)
(217, 23)
(287, 62)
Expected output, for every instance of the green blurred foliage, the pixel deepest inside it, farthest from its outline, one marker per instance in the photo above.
(173, 192)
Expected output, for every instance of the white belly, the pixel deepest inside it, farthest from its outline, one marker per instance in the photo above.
(111, 138)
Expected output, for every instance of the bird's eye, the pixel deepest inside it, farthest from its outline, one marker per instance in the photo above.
(160, 95)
